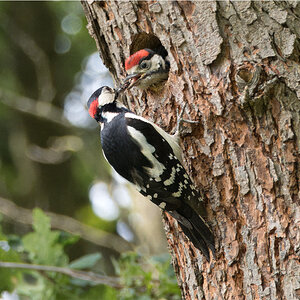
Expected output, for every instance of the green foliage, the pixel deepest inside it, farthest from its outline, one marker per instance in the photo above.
(44, 247)
(86, 261)
(143, 278)
(7, 276)
(147, 278)
(43, 244)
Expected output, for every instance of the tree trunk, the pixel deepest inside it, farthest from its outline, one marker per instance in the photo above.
(236, 64)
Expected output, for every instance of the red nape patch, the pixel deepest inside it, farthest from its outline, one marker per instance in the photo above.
(93, 108)
(134, 59)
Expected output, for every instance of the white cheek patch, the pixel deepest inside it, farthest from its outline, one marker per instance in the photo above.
(157, 61)
(106, 98)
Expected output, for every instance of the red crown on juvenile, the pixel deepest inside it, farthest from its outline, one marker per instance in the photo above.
(134, 59)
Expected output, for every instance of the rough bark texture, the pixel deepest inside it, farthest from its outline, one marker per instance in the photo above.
(237, 66)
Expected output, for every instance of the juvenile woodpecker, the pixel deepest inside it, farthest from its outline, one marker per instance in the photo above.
(150, 158)
(147, 68)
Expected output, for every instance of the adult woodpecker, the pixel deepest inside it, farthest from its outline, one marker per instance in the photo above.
(150, 158)
(147, 68)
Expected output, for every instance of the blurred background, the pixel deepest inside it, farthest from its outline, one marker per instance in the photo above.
(50, 155)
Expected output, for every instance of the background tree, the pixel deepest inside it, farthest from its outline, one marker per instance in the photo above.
(42, 159)
(237, 66)
(50, 158)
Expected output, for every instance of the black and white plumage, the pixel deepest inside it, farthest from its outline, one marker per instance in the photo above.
(150, 158)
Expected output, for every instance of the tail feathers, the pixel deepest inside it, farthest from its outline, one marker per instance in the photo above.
(203, 231)
(195, 229)
(197, 241)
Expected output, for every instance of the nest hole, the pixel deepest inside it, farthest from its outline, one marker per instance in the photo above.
(147, 40)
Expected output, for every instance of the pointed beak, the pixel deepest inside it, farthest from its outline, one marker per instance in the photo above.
(135, 78)
(131, 80)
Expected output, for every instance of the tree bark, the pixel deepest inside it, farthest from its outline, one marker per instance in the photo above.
(236, 64)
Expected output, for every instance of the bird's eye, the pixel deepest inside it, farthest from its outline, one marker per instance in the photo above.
(145, 64)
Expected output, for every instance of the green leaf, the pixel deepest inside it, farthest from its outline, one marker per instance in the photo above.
(35, 289)
(147, 277)
(86, 261)
(66, 238)
(7, 276)
(41, 222)
(100, 292)
(43, 244)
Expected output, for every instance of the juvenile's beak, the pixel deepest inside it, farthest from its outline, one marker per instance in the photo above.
(130, 81)
(135, 75)
(133, 79)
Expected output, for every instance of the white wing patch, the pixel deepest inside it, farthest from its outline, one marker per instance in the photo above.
(147, 150)
(172, 141)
